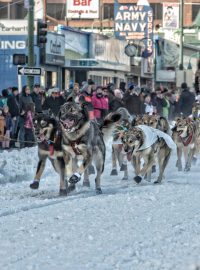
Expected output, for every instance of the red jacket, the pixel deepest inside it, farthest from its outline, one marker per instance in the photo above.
(100, 105)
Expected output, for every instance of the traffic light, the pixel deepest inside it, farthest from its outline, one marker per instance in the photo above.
(41, 32)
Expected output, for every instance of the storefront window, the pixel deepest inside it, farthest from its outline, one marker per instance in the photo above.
(157, 11)
(108, 11)
(56, 11)
(3, 11)
(195, 11)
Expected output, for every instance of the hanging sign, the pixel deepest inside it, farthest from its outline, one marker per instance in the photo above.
(134, 22)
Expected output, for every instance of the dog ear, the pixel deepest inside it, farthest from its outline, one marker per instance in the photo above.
(70, 98)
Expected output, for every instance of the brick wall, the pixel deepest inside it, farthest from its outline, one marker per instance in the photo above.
(98, 23)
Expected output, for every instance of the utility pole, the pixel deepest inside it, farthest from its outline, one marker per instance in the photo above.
(181, 34)
(30, 79)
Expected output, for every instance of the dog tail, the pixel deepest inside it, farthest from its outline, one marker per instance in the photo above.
(108, 125)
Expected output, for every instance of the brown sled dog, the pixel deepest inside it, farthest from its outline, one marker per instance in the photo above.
(146, 143)
(186, 134)
(49, 146)
(118, 154)
(83, 141)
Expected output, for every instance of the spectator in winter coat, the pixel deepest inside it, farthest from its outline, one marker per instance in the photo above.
(24, 99)
(147, 105)
(100, 104)
(13, 105)
(2, 125)
(86, 98)
(54, 101)
(28, 125)
(133, 101)
(36, 97)
(76, 92)
(117, 101)
(8, 128)
(186, 100)
(122, 87)
(4, 98)
(159, 102)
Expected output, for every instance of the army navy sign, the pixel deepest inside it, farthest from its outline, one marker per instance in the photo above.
(134, 22)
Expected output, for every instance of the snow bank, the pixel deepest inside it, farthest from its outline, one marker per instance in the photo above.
(18, 165)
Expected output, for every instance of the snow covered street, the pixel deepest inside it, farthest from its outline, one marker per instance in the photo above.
(129, 227)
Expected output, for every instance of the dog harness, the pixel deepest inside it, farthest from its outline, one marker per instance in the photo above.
(188, 140)
(151, 135)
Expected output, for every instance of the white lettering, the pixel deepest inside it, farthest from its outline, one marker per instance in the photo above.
(12, 45)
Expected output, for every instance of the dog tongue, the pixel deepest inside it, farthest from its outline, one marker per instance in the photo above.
(68, 123)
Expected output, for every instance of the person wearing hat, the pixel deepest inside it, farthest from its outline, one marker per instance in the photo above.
(13, 105)
(186, 100)
(36, 97)
(132, 100)
(54, 101)
(158, 101)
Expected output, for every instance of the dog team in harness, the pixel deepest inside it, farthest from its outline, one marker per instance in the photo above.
(74, 140)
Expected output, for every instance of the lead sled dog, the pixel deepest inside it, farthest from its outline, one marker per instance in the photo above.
(83, 141)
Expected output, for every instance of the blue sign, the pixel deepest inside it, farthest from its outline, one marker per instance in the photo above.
(10, 45)
(133, 22)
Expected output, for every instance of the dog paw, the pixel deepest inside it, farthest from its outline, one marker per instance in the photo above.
(63, 192)
(86, 184)
(98, 191)
(91, 169)
(180, 169)
(123, 167)
(125, 178)
(71, 188)
(34, 185)
(157, 182)
(137, 179)
(114, 172)
(75, 178)
(187, 169)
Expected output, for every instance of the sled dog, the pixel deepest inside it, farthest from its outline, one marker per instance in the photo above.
(186, 134)
(118, 155)
(83, 140)
(147, 143)
(49, 139)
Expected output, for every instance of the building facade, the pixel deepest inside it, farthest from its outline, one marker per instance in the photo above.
(57, 9)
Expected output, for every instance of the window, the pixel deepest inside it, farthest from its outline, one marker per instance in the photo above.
(195, 11)
(56, 11)
(157, 11)
(108, 11)
(3, 10)
(21, 12)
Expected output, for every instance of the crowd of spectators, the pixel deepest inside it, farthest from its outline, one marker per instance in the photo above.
(17, 109)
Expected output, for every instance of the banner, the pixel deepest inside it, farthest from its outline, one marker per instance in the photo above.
(82, 9)
(133, 22)
(38, 9)
(170, 15)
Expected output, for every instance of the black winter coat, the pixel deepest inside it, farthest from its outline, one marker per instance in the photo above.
(115, 104)
(133, 104)
(23, 101)
(53, 104)
(38, 102)
(186, 102)
(13, 105)
(159, 103)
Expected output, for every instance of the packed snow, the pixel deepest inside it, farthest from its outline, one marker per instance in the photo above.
(128, 227)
